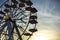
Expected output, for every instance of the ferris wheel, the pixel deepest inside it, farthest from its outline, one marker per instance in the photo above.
(18, 18)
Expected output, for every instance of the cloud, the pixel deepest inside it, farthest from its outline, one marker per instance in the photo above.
(47, 21)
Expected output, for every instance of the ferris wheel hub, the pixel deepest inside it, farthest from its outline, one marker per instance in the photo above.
(7, 17)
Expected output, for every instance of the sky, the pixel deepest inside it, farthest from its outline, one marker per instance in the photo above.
(48, 19)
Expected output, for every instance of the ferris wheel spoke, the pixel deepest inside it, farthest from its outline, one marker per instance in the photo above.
(3, 3)
(23, 21)
(1, 23)
(17, 14)
(15, 11)
(23, 11)
(2, 13)
(20, 14)
(21, 28)
(24, 14)
(17, 31)
(26, 33)
(2, 20)
(22, 18)
(2, 27)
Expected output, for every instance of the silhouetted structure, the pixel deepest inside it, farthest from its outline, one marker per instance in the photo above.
(15, 18)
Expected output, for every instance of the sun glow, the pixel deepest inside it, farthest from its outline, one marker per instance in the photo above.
(40, 38)
(43, 35)
(43, 38)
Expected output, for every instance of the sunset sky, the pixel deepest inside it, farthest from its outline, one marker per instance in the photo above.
(48, 19)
